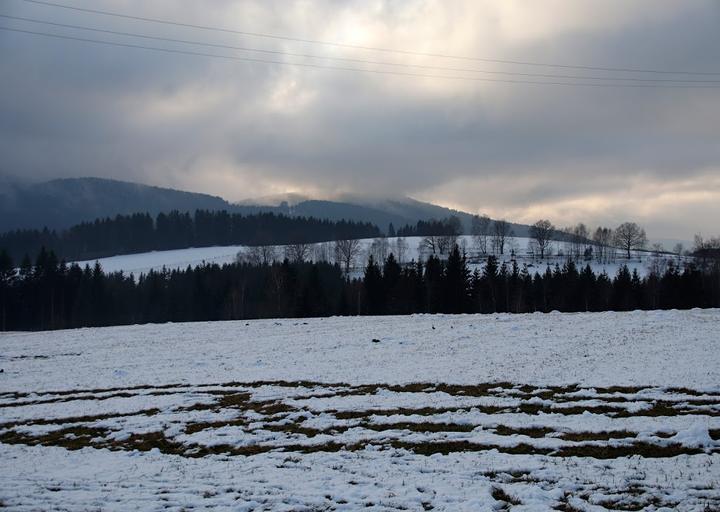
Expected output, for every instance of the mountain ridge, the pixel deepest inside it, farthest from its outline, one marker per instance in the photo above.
(60, 203)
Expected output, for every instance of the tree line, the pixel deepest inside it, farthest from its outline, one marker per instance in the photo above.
(49, 294)
(141, 232)
(580, 243)
(496, 237)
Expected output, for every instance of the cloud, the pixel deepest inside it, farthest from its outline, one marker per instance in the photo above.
(241, 129)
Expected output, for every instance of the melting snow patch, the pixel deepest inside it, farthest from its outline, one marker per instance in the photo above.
(697, 436)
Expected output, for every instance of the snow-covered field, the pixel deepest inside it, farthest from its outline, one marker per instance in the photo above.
(430, 412)
(142, 263)
(180, 258)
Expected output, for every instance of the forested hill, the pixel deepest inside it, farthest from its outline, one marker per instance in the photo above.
(59, 204)
(140, 232)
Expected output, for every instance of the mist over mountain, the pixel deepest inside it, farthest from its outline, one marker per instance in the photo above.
(61, 203)
(382, 212)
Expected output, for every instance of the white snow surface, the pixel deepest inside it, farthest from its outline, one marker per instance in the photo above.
(455, 412)
(142, 263)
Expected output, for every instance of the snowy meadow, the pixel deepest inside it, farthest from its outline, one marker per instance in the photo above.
(405, 249)
(428, 412)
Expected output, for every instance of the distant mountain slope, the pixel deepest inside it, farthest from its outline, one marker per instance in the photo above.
(381, 212)
(64, 202)
(338, 210)
(413, 210)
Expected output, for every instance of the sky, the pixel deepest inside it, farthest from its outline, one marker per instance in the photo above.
(474, 141)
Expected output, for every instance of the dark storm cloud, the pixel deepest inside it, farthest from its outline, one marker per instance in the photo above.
(243, 129)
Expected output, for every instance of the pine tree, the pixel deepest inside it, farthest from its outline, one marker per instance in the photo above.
(457, 279)
(490, 278)
(7, 277)
(419, 289)
(373, 286)
(586, 286)
(527, 303)
(434, 284)
(504, 288)
(391, 279)
(622, 290)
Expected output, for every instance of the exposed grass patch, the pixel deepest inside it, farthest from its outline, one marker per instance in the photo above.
(534, 432)
(193, 428)
(290, 428)
(579, 437)
(499, 494)
(79, 419)
(407, 411)
(631, 505)
(564, 505)
(643, 449)
(446, 447)
(77, 432)
(419, 427)
(71, 438)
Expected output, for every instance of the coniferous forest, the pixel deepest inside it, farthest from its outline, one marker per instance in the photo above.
(49, 294)
(139, 232)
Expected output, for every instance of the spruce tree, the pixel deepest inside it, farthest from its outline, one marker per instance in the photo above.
(391, 279)
(373, 286)
(457, 278)
(7, 276)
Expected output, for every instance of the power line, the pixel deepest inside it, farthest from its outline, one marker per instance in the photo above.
(361, 47)
(353, 60)
(361, 70)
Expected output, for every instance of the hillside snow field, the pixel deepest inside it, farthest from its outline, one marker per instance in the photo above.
(429, 412)
(179, 259)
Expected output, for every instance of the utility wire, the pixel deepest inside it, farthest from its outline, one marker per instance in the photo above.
(362, 70)
(361, 47)
(353, 60)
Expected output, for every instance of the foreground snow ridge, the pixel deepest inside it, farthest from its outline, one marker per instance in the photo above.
(430, 412)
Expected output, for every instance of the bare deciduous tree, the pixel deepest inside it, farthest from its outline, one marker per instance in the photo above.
(629, 236)
(428, 244)
(262, 254)
(576, 240)
(445, 243)
(401, 248)
(297, 252)
(480, 232)
(580, 239)
(452, 227)
(379, 248)
(603, 239)
(657, 264)
(500, 232)
(345, 253)
(703, 244)
(322, 252)
(443, 238)
(542, 232)
(513, 246)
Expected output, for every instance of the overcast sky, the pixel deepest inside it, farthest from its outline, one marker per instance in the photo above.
(244, 129)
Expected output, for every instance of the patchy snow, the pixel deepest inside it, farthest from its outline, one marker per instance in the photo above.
(534, 412)
(696, 436)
